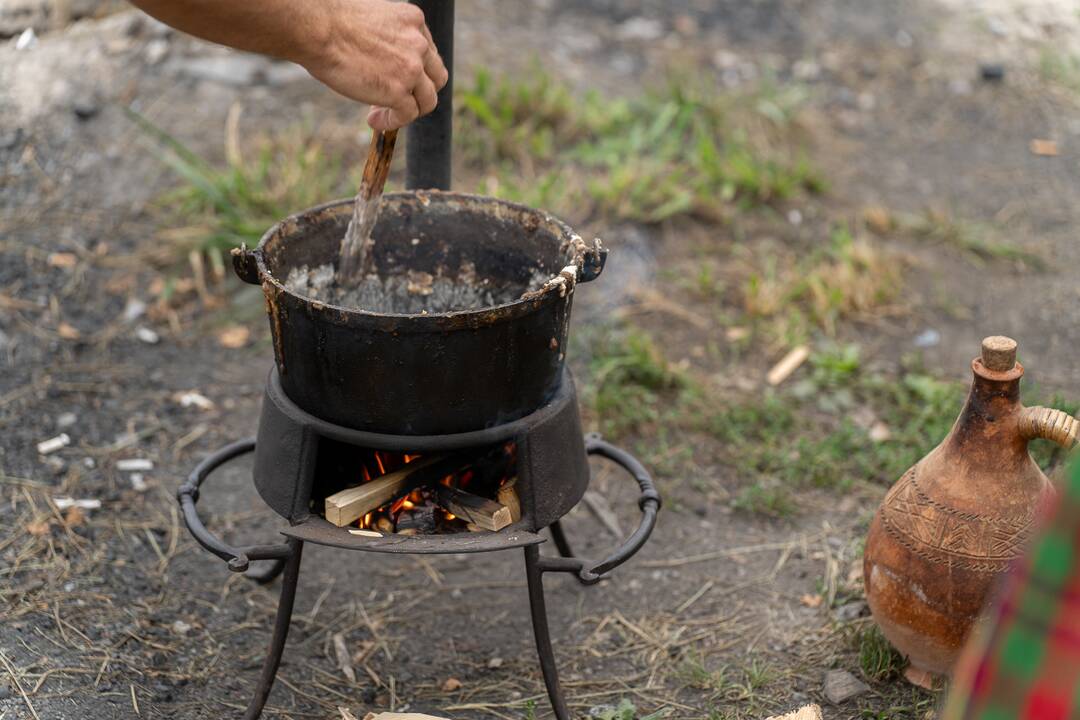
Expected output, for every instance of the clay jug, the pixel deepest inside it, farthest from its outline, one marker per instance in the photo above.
(954, 523)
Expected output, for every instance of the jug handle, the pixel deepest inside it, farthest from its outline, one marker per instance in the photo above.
(1050, 424)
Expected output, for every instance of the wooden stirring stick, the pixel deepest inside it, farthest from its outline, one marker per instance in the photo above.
(355, 260)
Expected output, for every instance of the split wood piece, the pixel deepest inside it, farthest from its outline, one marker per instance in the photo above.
(355, 260)
(788, 364)
(346, 506)
(806, 712)
(508, 496)
(341, 653)
(488, 514)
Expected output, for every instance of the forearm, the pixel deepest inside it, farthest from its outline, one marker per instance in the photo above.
(296, 30)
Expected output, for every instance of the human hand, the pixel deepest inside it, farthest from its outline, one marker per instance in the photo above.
(381, 53)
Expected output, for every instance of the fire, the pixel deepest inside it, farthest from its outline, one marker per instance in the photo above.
(419, 510)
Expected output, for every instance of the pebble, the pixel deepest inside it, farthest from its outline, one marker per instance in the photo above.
(5, 692)
(850, 611)
(138, 483)
(86, 106)
(66, 420)
(928, 338)
(156, 50)
(992, 72)
(147, 335)
(180, 627)
(236, 69)
(841, 686)
(27, 40)
(640, 28)
(495, 663)
(134, 309)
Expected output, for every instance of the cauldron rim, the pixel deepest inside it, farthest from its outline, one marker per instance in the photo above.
(575, 248)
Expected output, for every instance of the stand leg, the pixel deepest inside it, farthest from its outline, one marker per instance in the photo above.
(281, 631)
(534, 575)
(561, 543)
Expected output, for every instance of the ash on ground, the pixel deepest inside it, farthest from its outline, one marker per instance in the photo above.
(411, 293)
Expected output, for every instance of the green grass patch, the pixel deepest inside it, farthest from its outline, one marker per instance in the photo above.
(798, 294)
(1060, 68)
(682, 150)
(633, 385)
(878, 659)
(978, 240)
(218, 207)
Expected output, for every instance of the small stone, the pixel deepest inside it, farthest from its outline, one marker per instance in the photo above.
(156, 50)
(138, 483)
(640, 28)
(181, 628)
(451, 685)
(134, 309)
(880, 432)
(495, 663)
(928, 338)
(66, 420)
(997, 26)
(841, 686)
(236, 69)
(5, 692)
(795, 217)
(146, 335)
(27, 40)
(86, 106)
(850, 611)
(992, 72)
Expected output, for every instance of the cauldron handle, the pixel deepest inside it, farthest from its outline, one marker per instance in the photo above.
(648, 501)
(245, 265)
(237, 558)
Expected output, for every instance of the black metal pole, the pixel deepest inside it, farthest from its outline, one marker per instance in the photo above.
(428, 140)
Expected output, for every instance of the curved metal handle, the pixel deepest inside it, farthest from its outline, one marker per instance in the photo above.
(649, 502)
(238, 558)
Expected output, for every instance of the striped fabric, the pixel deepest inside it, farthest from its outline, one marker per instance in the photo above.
(1024, 662)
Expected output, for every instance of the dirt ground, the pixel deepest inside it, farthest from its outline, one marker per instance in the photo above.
(118, 613)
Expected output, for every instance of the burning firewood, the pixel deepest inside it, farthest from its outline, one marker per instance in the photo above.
(508, 496)
(344, 507)
(488, 514)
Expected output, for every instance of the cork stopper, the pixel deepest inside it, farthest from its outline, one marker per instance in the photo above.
(999, 353)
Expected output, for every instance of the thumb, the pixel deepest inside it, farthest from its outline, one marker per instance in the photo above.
(379, 118)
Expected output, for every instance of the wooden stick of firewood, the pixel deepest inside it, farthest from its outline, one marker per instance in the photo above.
(355, 261)
(508, 496)
(346, 506)
(474, 509)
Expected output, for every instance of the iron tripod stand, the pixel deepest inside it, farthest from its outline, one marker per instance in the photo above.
(285, 559)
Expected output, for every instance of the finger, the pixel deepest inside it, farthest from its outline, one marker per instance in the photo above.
(426, 96)
(435, 69)
(394, 117)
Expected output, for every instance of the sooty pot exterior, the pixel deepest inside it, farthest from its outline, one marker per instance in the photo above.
(429, 373)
